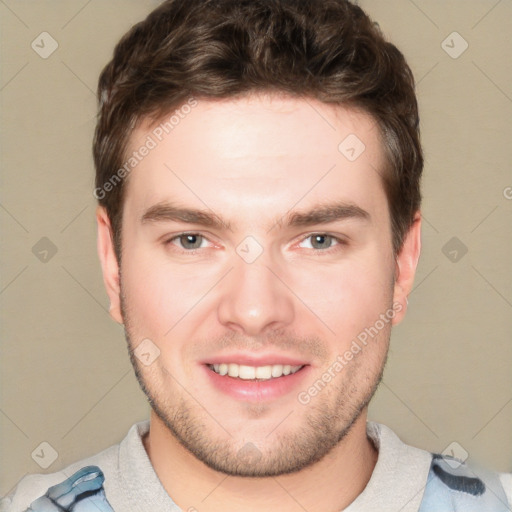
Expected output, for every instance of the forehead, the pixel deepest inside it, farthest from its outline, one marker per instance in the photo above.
(255, 153)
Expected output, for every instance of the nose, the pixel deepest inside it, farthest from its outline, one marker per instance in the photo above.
(254, 298)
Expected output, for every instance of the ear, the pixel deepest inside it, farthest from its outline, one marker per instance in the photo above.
(406, 263)
(109, 263)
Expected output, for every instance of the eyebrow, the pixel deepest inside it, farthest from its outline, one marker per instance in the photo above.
(324, 214)
(166, 212)
(320, 214)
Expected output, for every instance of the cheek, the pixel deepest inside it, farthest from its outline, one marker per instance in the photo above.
(349, 296)
(161, 296)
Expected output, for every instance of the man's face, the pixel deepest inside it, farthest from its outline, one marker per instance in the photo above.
(297, 266)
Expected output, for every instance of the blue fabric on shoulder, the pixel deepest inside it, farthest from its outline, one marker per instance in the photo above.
(453, 486)
(81, 492)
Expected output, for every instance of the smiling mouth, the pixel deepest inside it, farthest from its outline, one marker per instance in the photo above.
(244, 372)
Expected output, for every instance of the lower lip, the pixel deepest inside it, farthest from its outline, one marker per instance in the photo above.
(257, 390)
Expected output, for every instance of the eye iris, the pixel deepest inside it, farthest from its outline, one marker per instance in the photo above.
(321, 240)
(194, 240)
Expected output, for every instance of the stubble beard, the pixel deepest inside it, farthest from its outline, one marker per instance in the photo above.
(327, 420)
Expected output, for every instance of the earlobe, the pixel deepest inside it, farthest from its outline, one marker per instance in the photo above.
(406, 263)
(109, 263)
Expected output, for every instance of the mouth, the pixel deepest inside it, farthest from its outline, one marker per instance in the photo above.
(254, 381)
(255, 373)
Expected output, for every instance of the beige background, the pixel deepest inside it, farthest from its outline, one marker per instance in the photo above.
(65, 374)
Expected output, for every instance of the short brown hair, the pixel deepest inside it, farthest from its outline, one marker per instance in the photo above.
(329, 50)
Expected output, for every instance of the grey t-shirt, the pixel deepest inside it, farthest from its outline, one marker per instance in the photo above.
(403, 478)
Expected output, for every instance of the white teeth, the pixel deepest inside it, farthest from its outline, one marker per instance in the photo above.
(233, 370)
(246, 372)
(277, 370)
(254, 372)
(263, 372)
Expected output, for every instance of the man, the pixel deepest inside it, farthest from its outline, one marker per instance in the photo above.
(280, 140)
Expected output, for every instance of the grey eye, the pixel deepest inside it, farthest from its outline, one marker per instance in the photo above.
(190, 241)
(321, 241)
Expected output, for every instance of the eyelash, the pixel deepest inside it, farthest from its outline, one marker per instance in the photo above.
(319, 252)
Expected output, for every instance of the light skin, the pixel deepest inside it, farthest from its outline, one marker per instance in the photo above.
(254, 164)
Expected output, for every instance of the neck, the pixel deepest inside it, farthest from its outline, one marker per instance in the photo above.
(328, 485)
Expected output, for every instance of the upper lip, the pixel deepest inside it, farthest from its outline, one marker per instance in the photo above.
(255, 360)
